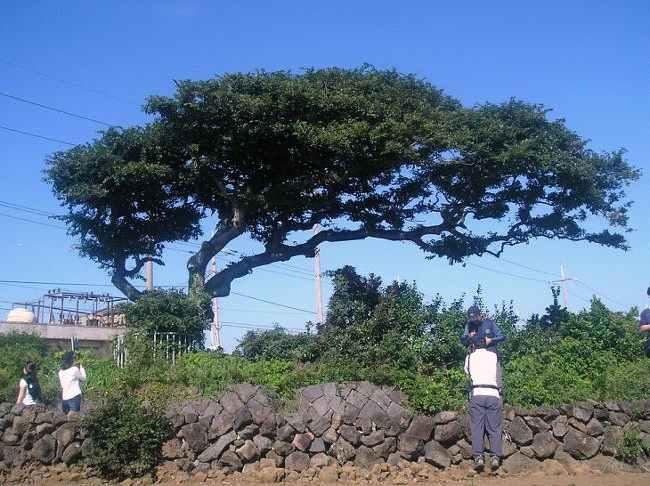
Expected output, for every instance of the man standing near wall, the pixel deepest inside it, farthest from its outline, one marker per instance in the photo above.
(644, 325)
(485, 404)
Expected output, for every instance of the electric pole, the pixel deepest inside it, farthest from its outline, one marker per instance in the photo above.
(148, 272)
(317, 279)
(215, 329)
(563, 280)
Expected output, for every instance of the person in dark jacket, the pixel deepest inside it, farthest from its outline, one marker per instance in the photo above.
(480, 329)
(485, 329)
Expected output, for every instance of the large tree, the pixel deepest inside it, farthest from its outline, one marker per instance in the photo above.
(362, 152)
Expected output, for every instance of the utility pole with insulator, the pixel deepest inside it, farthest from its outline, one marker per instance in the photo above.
(563, 280)
(317, 278)
(215, 328)
(216, 324)
(148, 274)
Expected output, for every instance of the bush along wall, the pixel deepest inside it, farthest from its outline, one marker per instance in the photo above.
(336, 425)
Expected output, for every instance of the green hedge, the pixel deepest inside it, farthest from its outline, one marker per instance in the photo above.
(126, 438)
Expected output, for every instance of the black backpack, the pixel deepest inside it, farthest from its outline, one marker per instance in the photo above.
(34, 388)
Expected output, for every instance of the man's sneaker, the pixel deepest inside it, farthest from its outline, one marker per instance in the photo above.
(479, 463)
(495, 462)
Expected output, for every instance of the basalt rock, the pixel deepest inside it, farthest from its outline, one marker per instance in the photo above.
(345, 424)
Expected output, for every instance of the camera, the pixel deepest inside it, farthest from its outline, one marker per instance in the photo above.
(473, 327)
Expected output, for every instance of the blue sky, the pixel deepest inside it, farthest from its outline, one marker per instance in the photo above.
(587, 60)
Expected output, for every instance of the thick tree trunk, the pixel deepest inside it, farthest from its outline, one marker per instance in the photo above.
(128, 289)
(198, 263)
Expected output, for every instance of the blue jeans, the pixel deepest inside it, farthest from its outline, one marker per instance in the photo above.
(72, 405)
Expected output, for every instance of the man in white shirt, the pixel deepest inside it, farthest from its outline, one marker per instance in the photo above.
(485, 403)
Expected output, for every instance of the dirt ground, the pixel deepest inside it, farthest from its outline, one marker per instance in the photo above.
(549, 473)
(534, 479)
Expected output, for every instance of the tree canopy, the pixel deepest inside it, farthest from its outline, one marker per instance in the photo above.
(362, 152)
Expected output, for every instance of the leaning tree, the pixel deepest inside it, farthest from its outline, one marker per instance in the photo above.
(364, 153)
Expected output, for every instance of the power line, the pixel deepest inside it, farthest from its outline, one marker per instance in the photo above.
(171, 248)
(575, 294)
(271, 302)
(292, 331)
(527, 267)
(580, 295)
(21, 286)
(39, 212)
(285, 274)
(260, 326)
(35, 135)
(58, 110)
(79, 284)
(507, 273)
(63, 284)
(27, 209)
(293, 268)
(597, 292)
(258, 311)
(25, 220)
(66, 82)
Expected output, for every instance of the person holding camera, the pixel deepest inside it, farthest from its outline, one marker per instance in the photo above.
(483, 329)
(486, 330)
(71, 375)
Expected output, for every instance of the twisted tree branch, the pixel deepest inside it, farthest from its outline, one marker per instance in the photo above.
(220, 284)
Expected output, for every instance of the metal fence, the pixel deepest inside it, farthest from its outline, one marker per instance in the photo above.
(164, 345)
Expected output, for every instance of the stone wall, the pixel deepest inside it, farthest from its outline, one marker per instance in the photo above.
(36, 434)
(356, 423)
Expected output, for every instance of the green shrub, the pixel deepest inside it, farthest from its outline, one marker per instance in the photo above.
(210, 373)
(15, 350)
(126, 438)
(627, 381)
(563, 373)
(276, 343)
(445, 390)
(170, 311)
(632, 446)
